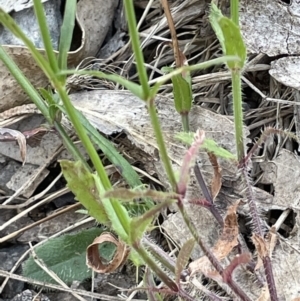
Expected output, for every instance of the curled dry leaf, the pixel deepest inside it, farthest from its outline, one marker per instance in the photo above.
(13, 135)
(216, 182)
(97, 262)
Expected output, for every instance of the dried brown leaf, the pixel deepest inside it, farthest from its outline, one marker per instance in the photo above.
(227, 241)
(216, 182)
(229, 237)
(261, 248)
(93, 258)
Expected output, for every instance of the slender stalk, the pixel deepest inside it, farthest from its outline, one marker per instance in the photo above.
(159, 254)
(161, 143)
(234, 11)
(42, 20)
(185, 121)
(83, 135)
(238, 113)
(154, 267)
(136, 47)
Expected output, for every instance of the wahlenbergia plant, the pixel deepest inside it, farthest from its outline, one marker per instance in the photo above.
(103, 203)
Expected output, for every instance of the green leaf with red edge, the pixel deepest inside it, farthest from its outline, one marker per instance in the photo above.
(208, 144)
(189, 161)
(139, 225)
(81, 183)
(183, 258)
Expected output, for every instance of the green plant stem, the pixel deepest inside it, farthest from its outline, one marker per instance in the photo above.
(234, 11)
(154, 267)
(42, 20)
(80, 130)
(161, 143)
(185, 122)
(69, 145)
(101, 172)
(159, 254)
(136, 47)
(238, 113)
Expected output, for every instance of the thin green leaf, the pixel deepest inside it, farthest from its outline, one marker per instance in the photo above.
(200, 66)
(139, 225)
(230, 37)
(81, 182)
(182, 92)
(116, 212)
(66, 33)
(208, 144)
(183, 258)
(42, 20)
(212, 146)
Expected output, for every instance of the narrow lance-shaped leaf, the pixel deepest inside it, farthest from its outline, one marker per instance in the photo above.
(139, 225)
(115, 212)
(230, 37)
(188, 161)
(183, 258)
(208, 144)
(125, 169)
(81, 183)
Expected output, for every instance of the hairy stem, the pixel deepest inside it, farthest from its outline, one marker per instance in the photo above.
(154, 266)
(258, 230)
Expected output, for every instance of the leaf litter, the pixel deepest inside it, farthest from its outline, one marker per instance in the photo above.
(211, 91)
